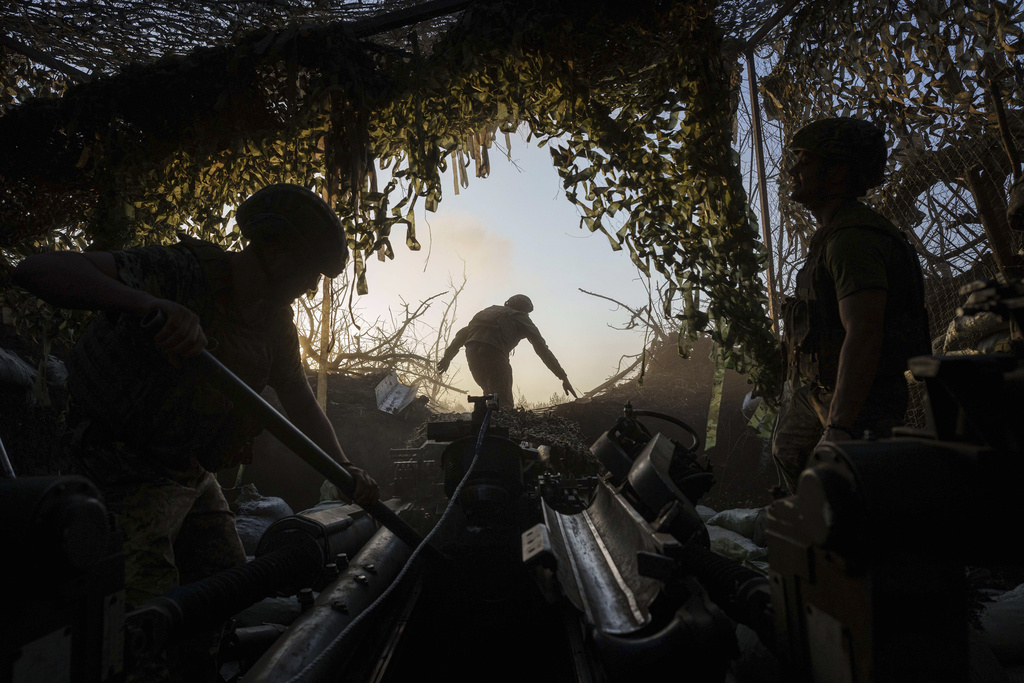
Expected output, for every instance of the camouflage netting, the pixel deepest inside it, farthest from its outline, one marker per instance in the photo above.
(945, 80)
(635, 102)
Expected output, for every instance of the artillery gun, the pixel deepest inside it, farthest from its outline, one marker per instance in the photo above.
(523, 573)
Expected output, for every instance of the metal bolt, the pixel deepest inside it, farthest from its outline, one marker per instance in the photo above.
(305, 598)
(370, 568)
(341, 559)
(331, 571)
(361, 578)
(339, 606)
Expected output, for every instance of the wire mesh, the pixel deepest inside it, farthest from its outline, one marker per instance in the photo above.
(928, 191)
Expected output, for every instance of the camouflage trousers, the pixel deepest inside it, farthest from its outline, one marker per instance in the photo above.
(491, 370)
(802, 422)
(176, 525)
(176, 528)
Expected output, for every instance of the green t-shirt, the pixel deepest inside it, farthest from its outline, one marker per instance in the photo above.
(857, 250)
(859, 259)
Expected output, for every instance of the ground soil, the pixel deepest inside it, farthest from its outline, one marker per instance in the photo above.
(681, 388)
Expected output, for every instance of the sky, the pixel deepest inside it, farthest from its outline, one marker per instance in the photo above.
(514, 232)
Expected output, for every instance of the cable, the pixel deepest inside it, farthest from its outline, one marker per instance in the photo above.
(676, 421)
(412, 558)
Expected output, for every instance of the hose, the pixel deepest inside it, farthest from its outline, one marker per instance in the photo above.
(321, 658)
(213, 599)
(676, 421)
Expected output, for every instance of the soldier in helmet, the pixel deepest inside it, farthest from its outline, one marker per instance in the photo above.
(858, 311)
(489, 339)
(151, 433)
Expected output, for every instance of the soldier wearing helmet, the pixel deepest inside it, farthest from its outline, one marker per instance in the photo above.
(858, 311)
(151, 433)
(489, 339)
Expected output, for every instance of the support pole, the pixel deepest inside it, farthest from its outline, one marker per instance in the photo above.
(762, 186)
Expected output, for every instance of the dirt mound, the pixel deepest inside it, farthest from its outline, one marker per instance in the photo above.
(674, 386)
(366, 434)
(681, 388)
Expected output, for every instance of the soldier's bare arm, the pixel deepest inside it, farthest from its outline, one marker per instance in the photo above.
(79, 280)
(863, 315)
(89, 281)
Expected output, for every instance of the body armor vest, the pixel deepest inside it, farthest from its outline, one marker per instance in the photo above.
(814, 330)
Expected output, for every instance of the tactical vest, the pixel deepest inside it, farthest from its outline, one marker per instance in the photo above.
(814, 330)
(131, 394)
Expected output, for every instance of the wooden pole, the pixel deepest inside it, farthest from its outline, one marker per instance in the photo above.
(325, 341)
(762, 186)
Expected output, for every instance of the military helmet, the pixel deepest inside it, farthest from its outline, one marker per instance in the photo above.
(520, 302)
(296, 216)
(858, 142)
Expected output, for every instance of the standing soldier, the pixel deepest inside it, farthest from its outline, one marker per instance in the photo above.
(151, 433)
(489, 339)
(858, 313)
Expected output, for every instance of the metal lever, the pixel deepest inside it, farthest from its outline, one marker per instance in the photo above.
(288, 434)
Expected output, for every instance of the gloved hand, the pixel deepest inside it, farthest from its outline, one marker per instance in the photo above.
(442, 365)
(568, 388)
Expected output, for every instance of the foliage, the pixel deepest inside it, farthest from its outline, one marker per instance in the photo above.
(643, 124)
(920, 70)
(636, 102)
(400, 342)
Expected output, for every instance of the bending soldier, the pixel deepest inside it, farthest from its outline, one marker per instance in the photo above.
(489, 339)
(858, 313)
(150, 432)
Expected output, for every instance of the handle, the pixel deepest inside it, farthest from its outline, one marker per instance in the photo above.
(287, 433)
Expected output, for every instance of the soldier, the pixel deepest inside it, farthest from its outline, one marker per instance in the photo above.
(151, 433)
(858, 312)
(489, 339)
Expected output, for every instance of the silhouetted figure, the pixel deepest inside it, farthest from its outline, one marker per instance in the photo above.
(151, 433)
(489, 339)
(858, 312)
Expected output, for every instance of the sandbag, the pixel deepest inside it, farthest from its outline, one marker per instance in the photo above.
(1002, 621)
(734, 546)
(705, 513)
(14, 371)
(740, 520)
(254, 513)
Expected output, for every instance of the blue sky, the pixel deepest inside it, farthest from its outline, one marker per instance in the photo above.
(517, 233)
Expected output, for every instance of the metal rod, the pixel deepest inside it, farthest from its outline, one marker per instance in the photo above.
(289, 435)
(5, 462)
(767, 26)
(762, 186)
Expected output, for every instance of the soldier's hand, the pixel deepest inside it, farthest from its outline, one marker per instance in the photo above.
(442, 365)
(568, 388)
(182, 334)
(833, 434)
(367, 491)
